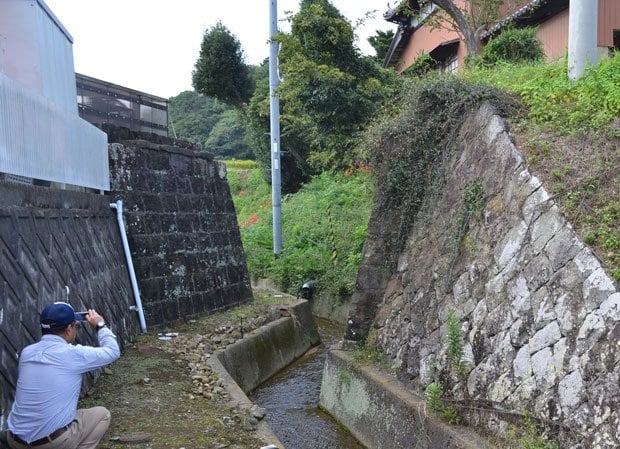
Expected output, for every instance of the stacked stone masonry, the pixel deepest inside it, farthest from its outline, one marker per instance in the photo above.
(51, 240)
(537, 311)
(182, 229)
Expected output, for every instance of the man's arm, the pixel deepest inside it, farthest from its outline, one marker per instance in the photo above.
(108, 350)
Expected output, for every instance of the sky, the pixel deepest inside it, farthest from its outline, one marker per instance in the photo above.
(152, 45)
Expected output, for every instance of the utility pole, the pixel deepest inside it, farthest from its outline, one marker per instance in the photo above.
(582, 36)
(274, 103)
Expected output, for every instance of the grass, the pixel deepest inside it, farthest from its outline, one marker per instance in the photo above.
(554, 101)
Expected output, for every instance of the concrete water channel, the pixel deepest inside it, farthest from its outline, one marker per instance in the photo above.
(291, 400)
(290, 380)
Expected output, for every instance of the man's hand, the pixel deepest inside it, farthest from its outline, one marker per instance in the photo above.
(93, 318)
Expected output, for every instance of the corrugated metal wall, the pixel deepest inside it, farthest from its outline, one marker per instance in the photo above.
(553, 34)
(55, 60)
(41, 133)
(41, 140)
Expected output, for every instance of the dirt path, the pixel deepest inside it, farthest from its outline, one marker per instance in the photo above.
(162, 394)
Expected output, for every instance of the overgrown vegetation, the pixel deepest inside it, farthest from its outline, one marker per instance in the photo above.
(328, 94)
(215, 125)
(408, 147)
(555, 102)
(515, 45)
(324, 227)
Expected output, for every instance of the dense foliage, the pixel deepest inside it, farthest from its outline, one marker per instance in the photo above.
(555, 101)
(381, 42)
(411, 138)
(328, 93)
(324, 226)
(220, 71)
(217, 126)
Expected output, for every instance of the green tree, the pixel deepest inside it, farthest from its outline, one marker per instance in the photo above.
(220, 71)
(194, 116)
(381, 42)
(328, 92)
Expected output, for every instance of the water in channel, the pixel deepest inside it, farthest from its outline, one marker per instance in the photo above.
(291, 400)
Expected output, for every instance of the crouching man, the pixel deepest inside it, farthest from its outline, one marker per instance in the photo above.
(45, 412)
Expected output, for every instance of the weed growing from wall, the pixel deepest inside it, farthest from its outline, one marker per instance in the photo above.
(433, 394)
(528, 436)
(473, 200)
(455, 346)
(434, 398)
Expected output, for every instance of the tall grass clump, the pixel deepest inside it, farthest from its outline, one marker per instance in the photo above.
(516, 45)
(251, 194)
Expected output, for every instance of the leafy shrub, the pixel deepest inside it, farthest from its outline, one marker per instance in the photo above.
(421, 66)
(513, 45)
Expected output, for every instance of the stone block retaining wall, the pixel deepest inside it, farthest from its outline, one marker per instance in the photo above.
(537, 312)
(182, 228)
(183, 235)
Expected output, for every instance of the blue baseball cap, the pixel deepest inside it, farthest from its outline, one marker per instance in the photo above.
(59, 314)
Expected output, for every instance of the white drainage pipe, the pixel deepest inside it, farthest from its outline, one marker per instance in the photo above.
(132, 274)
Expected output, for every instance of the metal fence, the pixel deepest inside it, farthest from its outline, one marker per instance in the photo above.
(40, 140)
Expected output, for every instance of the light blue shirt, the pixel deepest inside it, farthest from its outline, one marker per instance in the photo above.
(49, 382)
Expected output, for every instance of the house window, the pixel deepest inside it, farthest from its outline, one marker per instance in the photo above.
(450, 65)
(616, 40)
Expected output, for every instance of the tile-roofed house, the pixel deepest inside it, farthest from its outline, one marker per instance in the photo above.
(415, 36)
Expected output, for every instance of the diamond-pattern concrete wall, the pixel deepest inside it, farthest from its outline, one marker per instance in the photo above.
(183, 234)
(50, 239)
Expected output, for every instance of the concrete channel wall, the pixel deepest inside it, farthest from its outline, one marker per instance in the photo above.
(246, 364)
(381, 413)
